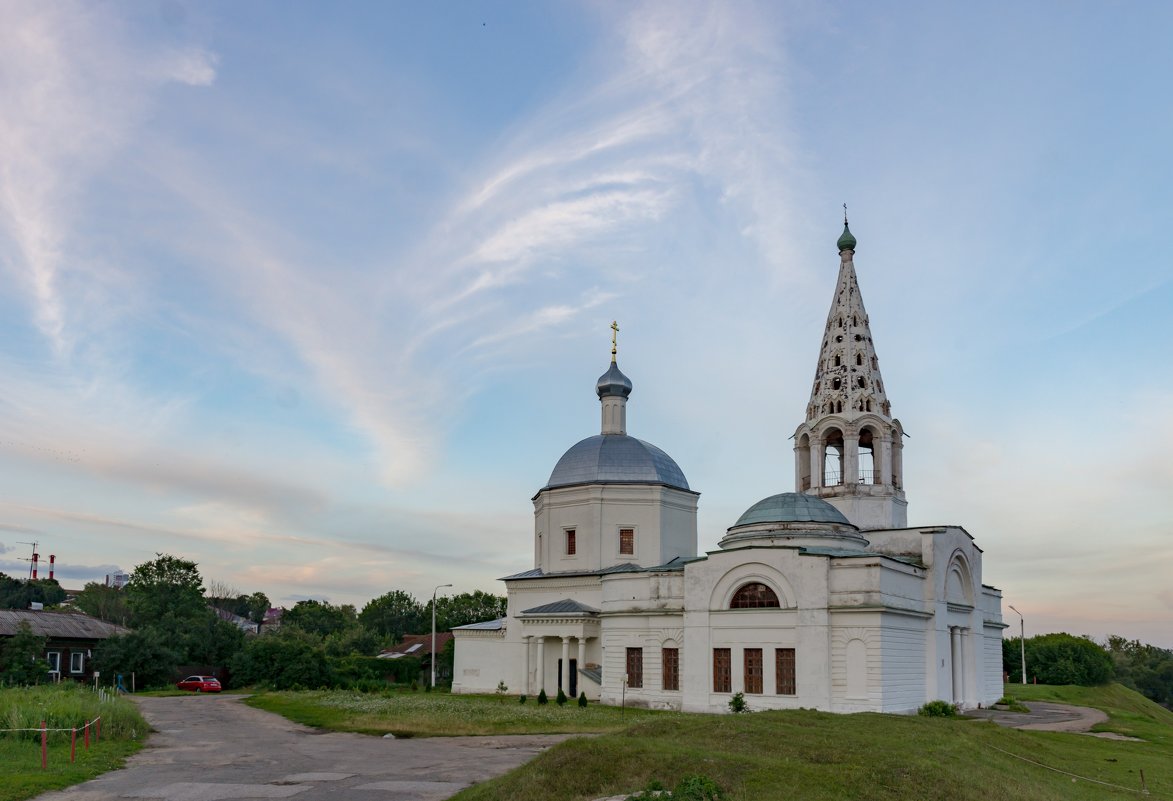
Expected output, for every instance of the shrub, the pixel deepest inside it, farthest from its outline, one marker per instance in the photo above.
(285, 660)
(697, 788)
(737, 703)
(582, 701)
(521, 698)
(938, 709)
(542, 699)
(561, 699)
(1058, 659)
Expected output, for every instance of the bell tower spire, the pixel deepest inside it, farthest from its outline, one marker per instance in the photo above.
(613, 388)
(849, 449)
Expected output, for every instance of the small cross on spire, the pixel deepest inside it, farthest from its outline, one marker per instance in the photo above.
(614, 339)
(845, 214)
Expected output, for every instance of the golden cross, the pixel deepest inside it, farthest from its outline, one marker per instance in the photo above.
(614, 339)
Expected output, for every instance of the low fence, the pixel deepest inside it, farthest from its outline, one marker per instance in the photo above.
(95, 724)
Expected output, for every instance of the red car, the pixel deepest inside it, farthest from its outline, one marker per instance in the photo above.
(200, 684)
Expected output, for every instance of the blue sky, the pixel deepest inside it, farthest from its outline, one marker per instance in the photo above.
(317, 296)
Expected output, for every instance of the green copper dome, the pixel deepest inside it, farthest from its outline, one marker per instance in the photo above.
(791, 507)
(846, 241)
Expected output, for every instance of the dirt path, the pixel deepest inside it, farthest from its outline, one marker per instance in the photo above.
(1045, 716)
(214, 748)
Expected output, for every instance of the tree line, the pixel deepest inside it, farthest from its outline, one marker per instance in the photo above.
(1067, 659)
(175, 622)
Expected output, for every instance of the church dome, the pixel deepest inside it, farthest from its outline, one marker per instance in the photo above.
(616, 459)
(791, 507)
(613, 382)
(846, 240)
(794, 518)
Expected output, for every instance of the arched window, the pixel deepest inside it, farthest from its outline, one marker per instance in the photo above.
(754, 596)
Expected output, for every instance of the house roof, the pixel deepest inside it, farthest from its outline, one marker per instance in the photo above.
(485, 625)
(58, 625)
(416, 645)
(564, 607)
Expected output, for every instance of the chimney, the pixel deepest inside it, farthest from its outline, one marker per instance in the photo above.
(52, 559)
(35, 557)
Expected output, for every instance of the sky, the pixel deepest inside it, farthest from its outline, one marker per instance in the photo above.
(316, 295)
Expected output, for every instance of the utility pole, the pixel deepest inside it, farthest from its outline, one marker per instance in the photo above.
(1022, 641)
(434, 632)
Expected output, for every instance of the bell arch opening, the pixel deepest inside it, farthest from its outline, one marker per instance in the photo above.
(867, 456)
(832, 457)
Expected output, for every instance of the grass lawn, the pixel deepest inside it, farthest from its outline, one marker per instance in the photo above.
(417, 714)
(61, 706)
(817, 756)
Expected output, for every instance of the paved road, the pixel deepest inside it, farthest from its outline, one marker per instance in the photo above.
(1045, 716)
(214, 748)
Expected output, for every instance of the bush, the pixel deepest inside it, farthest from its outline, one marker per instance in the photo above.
(287, 659)
(542, 699)
(582, 701)
(697, 788)
(737, 703)
(1058, 659)
(938, 709)
(561, 699)
(521, 698)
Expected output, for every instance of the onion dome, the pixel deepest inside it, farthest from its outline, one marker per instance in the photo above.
(613, 383)
(846, 240)
(795, 518)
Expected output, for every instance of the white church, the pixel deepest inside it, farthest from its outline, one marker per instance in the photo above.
(821, 598)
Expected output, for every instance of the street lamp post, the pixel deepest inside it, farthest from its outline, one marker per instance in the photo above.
(438, 588)
(1021, 641)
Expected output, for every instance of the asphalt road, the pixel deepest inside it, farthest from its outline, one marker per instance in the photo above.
(214, 748)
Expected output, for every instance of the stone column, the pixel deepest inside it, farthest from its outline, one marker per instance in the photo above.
(581, 658)
(525, 686)
(541, 664)
(850, 458)
(955, 661)
(897, 461)
(966, 673)
(816, 462)
(565, 664)
(882, 461)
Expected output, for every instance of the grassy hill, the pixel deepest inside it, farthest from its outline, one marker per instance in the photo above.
(817, 756)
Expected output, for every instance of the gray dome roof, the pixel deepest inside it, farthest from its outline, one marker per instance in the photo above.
(791, 507)
(616, 458)
(613, 382)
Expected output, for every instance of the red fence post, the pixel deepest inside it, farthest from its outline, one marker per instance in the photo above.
(73, 745)
(44, 746)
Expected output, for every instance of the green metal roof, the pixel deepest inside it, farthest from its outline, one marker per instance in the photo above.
(846, 241)
(791, 507)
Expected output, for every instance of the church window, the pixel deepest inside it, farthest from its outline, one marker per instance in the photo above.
(627, 541)
(635, 667)
(859, 359)
(836, 383)
(858, 338)
(754, 596)
(861, 381)
(722, 670)
(784, 683)
(838, 360)
(854, 320)
(753, 670)
(840, 322)
(670, 659)
(839, 339)
(875, 363)
(570, 542)
(868, 404)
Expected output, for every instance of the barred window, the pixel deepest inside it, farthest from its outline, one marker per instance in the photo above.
(754, 596)
(670, 657)
(753, 670)
(784, 683)
(627, 541)
(635, 667)
(722, 670)
(570, 543)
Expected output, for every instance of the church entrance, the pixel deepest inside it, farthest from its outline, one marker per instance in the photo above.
(572, 692)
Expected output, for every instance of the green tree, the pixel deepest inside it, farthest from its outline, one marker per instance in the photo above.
(22, 657)
(284, 660)
(21, 593)
(318, 617)
(148, 653)
(1058, 659)
(465, 608)
(258, 604)
(105, 603)
(1145, 668)
(166, 589)
(394, 614)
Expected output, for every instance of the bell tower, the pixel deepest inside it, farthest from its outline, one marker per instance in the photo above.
(848, 450)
